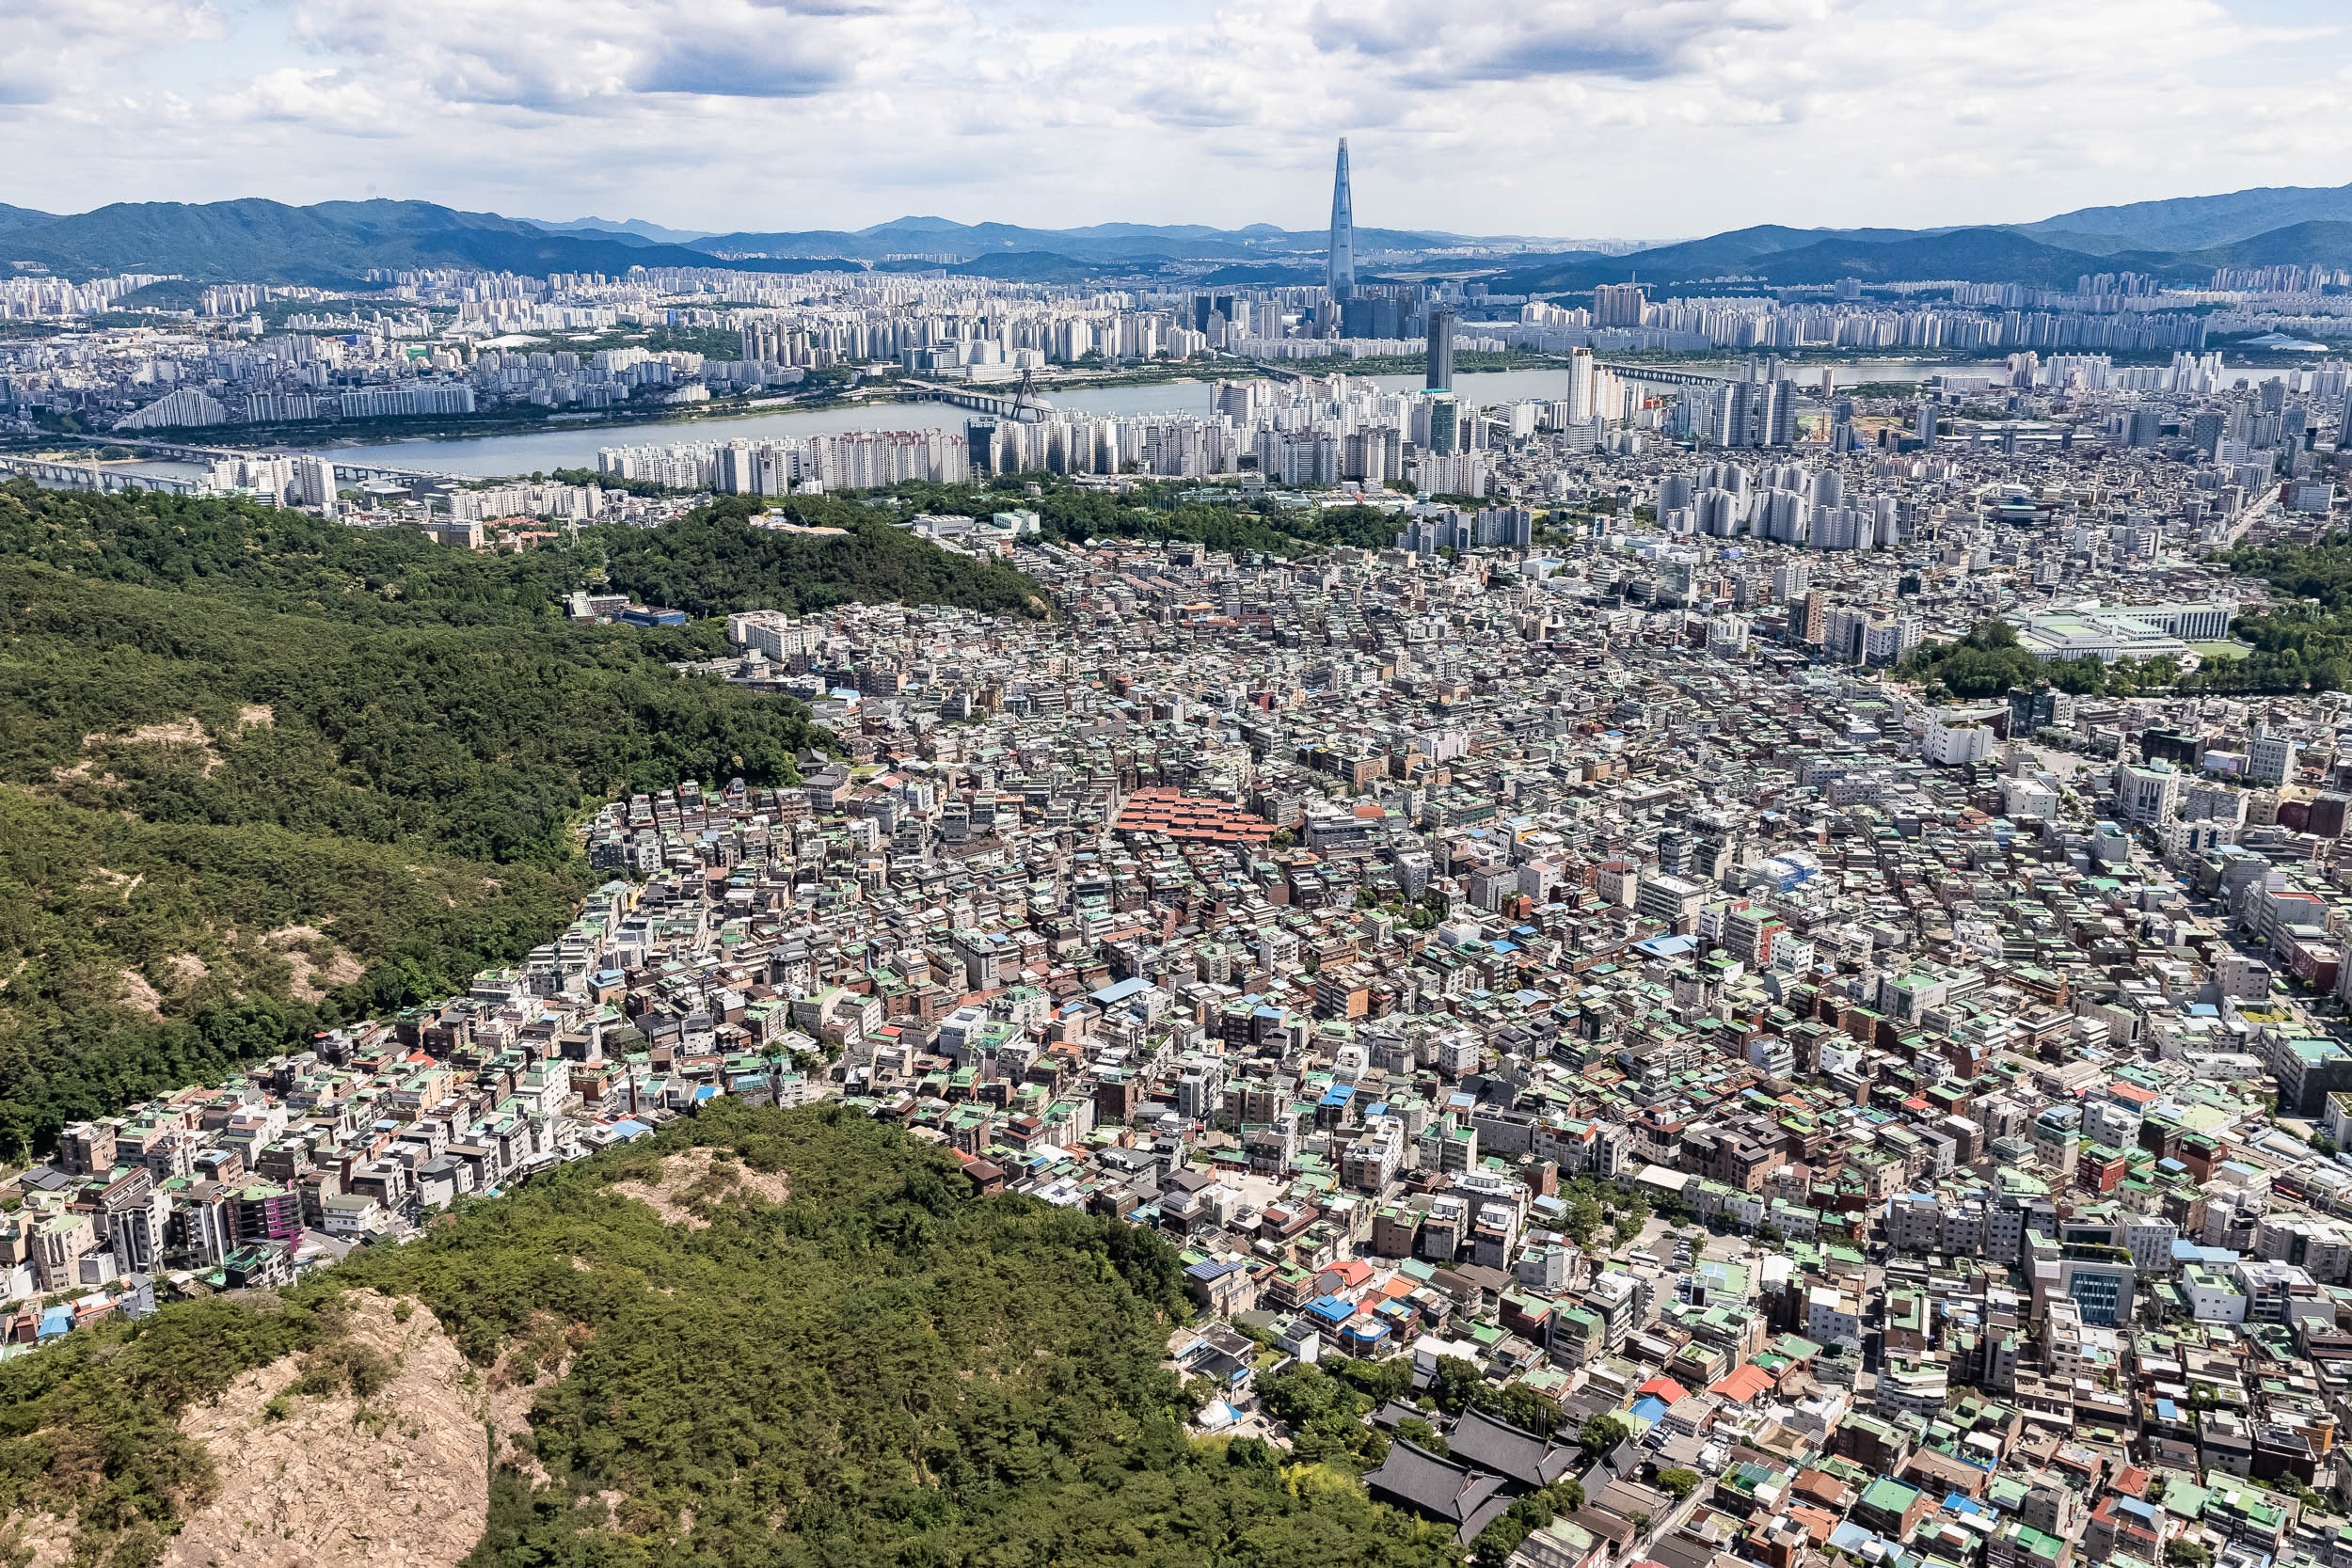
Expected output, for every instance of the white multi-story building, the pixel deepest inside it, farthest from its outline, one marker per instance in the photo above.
(1955, 740)
(2148, 793)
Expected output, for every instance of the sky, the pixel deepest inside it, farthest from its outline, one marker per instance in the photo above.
(1561, 118)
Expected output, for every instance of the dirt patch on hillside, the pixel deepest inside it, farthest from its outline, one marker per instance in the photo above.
(318, 965)
(139, 994)
(691, 1181)
(331, 1479)
(180, 733)
(257, 713)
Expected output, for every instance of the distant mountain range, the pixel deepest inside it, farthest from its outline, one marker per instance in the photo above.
(2182, 241)
(1989, 255)
(336, 243)
(331, 245)
(1130, 244)
(2195, 222)
(627, 228)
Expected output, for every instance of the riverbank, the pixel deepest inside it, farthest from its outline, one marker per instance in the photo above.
(488, 424)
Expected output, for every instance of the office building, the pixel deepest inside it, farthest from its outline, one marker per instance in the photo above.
(1440, 377)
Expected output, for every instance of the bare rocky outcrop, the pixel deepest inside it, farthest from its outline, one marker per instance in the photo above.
(37, 1540)
(302, 947)
(696, 1177)
(184, 733)
(140, 993)
(539, 1357)
(399, 1478)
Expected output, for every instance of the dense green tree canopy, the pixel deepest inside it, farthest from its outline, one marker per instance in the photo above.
(1170, 510)
(2295, 646)
(261, 771)
(882, 1369)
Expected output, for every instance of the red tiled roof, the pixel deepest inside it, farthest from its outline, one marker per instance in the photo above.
(1747, 1383)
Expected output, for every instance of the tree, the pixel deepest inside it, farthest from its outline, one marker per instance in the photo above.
(1678, 1483)
(1601, 1433)
(1499, 1540)
(1299, 1395)
(1377, 1381)
(1518, 1404)
(1423, 1437)
(1565, 1495)
(1453, 1382)
(1497, 1543)
(2182, 1552)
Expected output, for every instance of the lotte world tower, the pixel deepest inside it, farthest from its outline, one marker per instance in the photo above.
(1343, 275)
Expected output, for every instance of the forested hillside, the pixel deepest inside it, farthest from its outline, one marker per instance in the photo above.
(2293, 646)
(706, 563)
(1156, 510)
(879, 1368)
(260, 772)
(711, 563)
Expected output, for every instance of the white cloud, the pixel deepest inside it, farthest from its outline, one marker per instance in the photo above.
(52, 53)
(578, 55)
(1573, 117)
(320, 100)
(1438, 42)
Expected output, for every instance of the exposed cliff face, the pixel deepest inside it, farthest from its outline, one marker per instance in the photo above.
(398, 1479)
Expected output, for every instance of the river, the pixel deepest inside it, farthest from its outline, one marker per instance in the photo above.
(573, 444)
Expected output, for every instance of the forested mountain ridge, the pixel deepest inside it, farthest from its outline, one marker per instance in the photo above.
(260, 772)
(880, 1368)
(706, 563)
(335, 244)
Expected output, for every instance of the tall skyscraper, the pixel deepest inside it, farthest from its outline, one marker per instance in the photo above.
(1343, 275)
(1440, 378)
